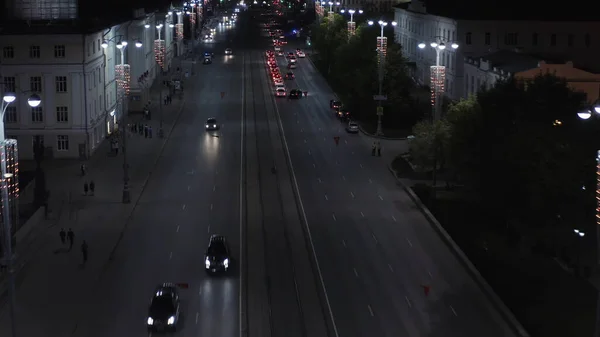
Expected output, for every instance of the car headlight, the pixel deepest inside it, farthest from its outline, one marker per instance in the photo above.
(171, 320)
(207, 126)
(226, 263)
(150, 321)
(214, 125)
(207, 263)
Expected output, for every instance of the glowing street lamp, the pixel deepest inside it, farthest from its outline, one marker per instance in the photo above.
(351, 23)
(331, 3)
(382, 50)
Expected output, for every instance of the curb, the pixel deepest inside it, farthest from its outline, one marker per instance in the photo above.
(464, 260)
(360, 128)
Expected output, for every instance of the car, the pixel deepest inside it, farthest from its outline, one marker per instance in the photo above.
(211, 124)
(292, 65)
(208, 54)
(301, 54)
(295, 94)
(292, 59)
(290, 54)
(277, 48)
(228, 51)
(280, 92)
(343, 114)
(217, 257)
(289, 75)
(281, 37)
(334, 104)
(278, 81)
(352, 127)
(207, 60)
(163, 312)
(280, 53)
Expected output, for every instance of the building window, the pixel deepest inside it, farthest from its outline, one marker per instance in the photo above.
(37, 115)
(468, 38)
(488, 39)
(38, 139)
(8, 52)
(62, 143)
(534, 39)
(35, 84)
(34, 52)
(588, 40)
(11, 114)
(60, 52)
(553, 40)
(511, 39)
(61, 83)
(62, 114)
(10, 84)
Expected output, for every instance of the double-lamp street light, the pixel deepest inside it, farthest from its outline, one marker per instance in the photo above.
(331, 4)
(123, 73)
(382, 50)
(438, 76)
(351, 23)
(7, 176)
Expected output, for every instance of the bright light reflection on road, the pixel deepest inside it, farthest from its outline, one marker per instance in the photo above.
(210, 145)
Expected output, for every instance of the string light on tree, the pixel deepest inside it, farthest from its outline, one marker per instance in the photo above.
(438, 80)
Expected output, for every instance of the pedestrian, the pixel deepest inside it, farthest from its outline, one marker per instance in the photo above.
(92, 187)
(373, 149)
(71, 237)
(116, 148)
(166, 100)
(84, 251)
(141, 128)
(149, 132)
(82, 170)
(85, 188)
(378, 148)
(62, 235)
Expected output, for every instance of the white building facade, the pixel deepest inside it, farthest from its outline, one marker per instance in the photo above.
(575, 41)
(75, 77)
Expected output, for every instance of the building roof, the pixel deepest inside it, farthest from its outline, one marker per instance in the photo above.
(92, 17)
(528, 10)
(509, 61)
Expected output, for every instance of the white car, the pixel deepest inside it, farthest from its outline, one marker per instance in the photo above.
(279, 86)
(277, 48)
(280, 92)
(292, 65)
(278, 82)
(352, 127)
(301, 54)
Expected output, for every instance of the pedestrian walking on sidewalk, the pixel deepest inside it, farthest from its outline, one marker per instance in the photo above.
(84, 252)
(85, 188)
(92, 187)
(62, 235)
(145, 131)
(71, 237)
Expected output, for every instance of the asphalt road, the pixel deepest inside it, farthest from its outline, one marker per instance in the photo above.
(375, 248)
(193, 192)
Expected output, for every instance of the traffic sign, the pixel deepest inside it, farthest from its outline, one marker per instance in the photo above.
(380, 98)
(379, 111)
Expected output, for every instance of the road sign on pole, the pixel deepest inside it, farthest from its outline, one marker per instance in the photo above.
(379, 111)
(380, 98)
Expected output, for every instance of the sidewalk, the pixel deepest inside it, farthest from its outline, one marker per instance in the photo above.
(52, 285)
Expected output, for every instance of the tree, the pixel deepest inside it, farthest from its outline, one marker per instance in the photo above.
(429, 147)
(327, 37)
(397, 85)
(463, 119)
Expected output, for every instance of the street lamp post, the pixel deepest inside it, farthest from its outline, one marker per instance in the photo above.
(331, 3)
(122, 87)
(585, 115)
(381, 50)
(438, 76)
(351, 23)
(33, 101)
(159, 74)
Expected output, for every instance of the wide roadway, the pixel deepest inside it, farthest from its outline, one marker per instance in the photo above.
(193, 192)
(376, 250)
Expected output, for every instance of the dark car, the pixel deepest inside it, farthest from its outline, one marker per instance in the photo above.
(217, 257)
(333, 104)
(208, 54)
(295, 94)
(207, 61)
(163, 313)
(289, 75)
(343, 113)
(211, 124)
